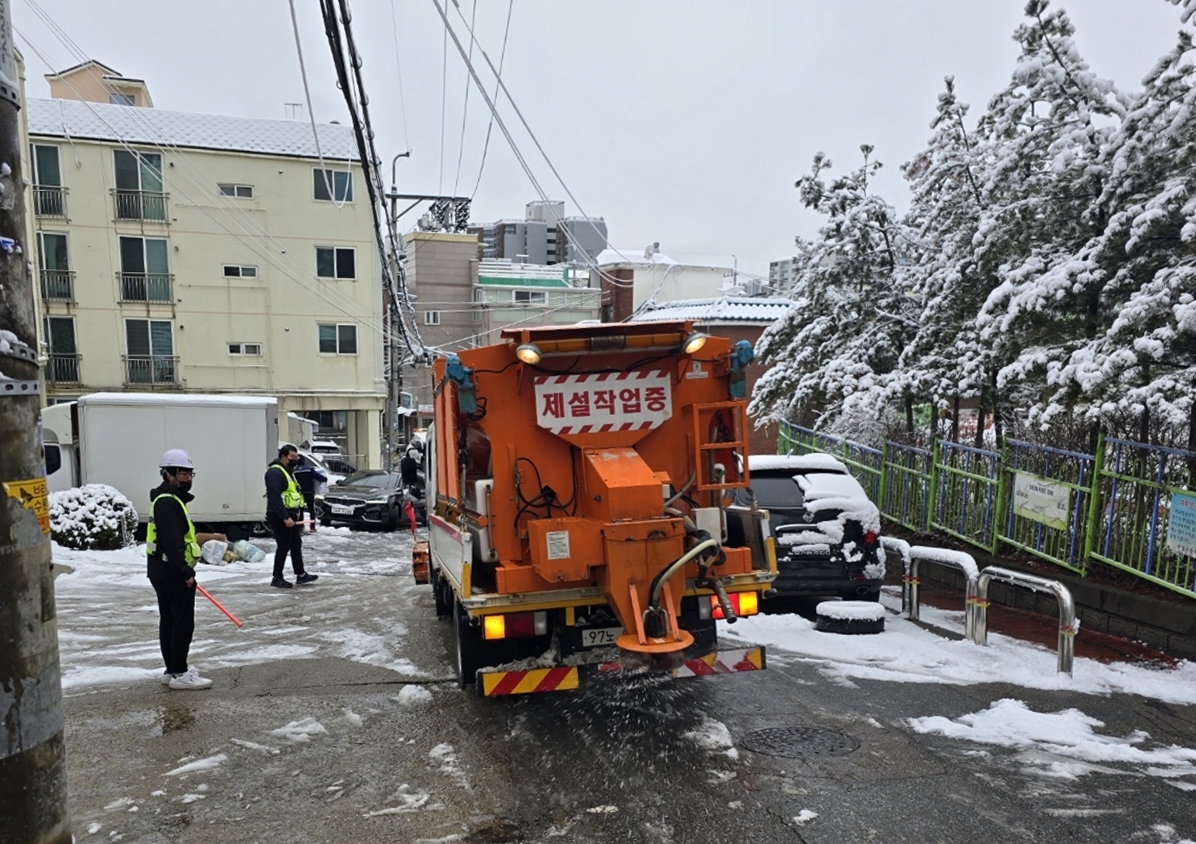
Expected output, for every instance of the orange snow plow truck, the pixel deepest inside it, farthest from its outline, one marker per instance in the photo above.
(580, 519)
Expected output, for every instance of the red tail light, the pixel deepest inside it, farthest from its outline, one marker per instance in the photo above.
(870, 537)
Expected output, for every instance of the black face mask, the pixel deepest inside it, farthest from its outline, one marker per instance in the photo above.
(184, 486)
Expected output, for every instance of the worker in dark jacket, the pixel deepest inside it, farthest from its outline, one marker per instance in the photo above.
(307, 475)
(171, 554)
(284, 514)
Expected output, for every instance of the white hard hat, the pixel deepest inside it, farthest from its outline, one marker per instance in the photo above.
(175, 458)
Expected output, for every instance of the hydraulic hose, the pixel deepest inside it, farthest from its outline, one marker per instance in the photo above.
(675, 566)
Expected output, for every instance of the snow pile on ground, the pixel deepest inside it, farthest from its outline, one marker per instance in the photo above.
(92, 517)
(1069, 734)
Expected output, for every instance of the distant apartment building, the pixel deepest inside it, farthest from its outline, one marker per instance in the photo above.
(544, 236)
(629, 279)
(781, 275)
(205, 254)
(462, 302)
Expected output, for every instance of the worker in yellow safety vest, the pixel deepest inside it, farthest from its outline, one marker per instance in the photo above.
(284, 517)
(171, 553)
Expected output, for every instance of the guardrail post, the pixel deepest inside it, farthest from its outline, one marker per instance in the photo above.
(892, 543)
(1002, 499)
(958, 559)
(1092, 529)
(883, 484)
(1068, 625)
(932, 492)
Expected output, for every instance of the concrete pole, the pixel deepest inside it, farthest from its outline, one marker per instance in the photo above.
(33, 784)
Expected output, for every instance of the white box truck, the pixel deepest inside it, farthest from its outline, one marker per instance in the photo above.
(117, 439)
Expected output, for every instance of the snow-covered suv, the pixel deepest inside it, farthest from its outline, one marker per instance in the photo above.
(826, 529)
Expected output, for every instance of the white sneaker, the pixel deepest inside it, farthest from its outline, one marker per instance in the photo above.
(189, 679)
(166, 678)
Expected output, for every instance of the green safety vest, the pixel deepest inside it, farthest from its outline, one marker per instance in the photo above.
(191, 549)
(292, 498)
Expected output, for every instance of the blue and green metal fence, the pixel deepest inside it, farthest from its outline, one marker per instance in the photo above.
(1114, 507)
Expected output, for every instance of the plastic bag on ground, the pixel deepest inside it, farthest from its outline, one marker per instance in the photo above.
(248, 552)
(213, 551)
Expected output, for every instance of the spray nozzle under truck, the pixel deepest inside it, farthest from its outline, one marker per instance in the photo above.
(578, 502)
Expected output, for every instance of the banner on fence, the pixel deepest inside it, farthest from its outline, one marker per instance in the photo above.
(1041, 500)
(1181, 525)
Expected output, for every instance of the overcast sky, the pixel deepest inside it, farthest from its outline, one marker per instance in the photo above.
(684, 122)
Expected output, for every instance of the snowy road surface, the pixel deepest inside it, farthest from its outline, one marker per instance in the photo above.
(334, 718)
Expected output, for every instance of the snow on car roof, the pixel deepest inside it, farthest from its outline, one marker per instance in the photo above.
(823, 491)
(795, 462)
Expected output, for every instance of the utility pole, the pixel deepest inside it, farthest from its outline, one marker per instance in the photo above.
(33, 796)
(394, 358)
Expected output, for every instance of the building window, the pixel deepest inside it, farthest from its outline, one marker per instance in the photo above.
(57, 280)
(150, 347)
(139, 187)
(336, 262)
(121, 99)
(431, 317)
(239, 271)
(63, 365)
(49, 196)
(238, 191)
(245, 349)
(530, 297)
(475, 316)
(144, 271)
(338, 339)
(341, 182)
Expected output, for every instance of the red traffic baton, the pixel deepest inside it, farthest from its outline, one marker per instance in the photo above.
(218, 605)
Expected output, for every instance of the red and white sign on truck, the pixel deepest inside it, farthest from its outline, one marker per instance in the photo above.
(603, 401)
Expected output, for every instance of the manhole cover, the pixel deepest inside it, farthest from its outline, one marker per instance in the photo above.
(799, 742)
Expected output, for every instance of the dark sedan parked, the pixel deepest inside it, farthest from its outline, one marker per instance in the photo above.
(369, 498)
(824, 526)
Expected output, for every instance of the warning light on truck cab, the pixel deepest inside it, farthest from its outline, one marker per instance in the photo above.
(744, 603)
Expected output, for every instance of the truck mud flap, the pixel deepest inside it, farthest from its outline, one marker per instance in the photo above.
(496, 682)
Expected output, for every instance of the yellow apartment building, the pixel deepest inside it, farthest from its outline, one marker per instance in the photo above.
(205, 254)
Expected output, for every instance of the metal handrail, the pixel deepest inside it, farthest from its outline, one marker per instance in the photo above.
(1068, 624)
(58, 285)
(49, 200)
(146, 287)
(913, 557)
(140, 204)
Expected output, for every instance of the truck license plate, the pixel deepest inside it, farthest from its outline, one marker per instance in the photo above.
(597, 636)
(341, 510)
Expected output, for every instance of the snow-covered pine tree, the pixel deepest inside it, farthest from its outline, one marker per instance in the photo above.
(1044, 135)
(945, 360)
(1142, 368)
(1187, 7)
(851, 316)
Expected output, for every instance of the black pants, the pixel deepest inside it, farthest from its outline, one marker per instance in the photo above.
(309, 501)
(290, 540)
(176, 621)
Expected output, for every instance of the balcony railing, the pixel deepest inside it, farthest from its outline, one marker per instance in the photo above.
(63, 369)
(151, 369)
(58, 285)
(145, 287)
(49, 200)
(140, 205)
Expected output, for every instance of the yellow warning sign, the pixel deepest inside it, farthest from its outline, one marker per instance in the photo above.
(34, 496)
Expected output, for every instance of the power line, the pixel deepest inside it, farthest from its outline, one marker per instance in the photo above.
(502, 57)
(464, 111)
